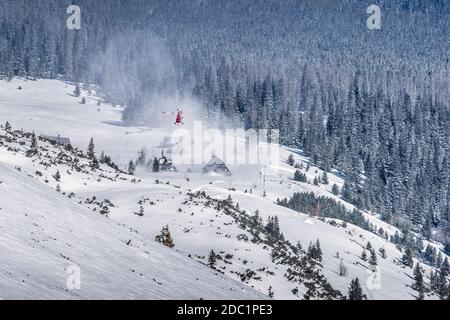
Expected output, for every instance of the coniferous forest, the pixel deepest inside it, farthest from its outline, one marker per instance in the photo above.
(374, 105)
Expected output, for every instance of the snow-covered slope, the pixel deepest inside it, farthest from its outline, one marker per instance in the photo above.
(45, 239)
(194, 206)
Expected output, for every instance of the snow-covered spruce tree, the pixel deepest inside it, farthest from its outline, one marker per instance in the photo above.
(270, 292)
(77, 91)
(299, 176)
(373, 258)
(33, 150)
(439, 260)
(212, 259)
(165, 238)
(364, 255)
(335, 189)
(68, 147)
(94, 164)
(273, 229)
(355, 291)
(33, 142)
(407, 258)
(256, 224)
(316, 181)
(434, 281)
(318, 251)
(91, 149)
(418, 282)
(314, 251)
(291, 160)
(325, 178)
(430, 254)
(447, 247)
(443, 287)
(131, 168)
(140, 213)
(383, 252)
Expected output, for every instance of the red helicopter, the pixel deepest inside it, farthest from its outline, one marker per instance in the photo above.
(179, 116)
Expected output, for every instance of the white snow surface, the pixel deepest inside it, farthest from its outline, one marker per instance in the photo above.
(44, 236)
(41, 227)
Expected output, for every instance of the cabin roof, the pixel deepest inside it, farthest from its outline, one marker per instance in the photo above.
(216, 165)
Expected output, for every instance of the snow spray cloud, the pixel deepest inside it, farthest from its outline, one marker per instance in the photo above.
(137, 70)
(233, 146)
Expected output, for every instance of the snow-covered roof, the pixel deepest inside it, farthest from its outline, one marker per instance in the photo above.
(216, 165)
(215, 161)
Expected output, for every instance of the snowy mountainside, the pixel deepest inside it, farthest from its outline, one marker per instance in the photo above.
(203, 213)
(43, 234)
